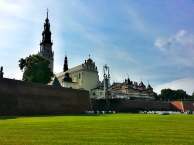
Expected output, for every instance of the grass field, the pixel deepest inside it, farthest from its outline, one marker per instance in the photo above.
(98, 129)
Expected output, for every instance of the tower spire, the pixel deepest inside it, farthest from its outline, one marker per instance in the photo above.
(46, 34)
(65, 67)
(128, 75)
(47, 13)
(46, 43)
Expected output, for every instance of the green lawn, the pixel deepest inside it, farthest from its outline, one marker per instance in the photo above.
(98, 129)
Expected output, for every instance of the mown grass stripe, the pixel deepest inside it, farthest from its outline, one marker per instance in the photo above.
(100, 129)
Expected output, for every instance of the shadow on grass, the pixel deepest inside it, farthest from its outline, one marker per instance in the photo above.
(61, 115)
(7, 117)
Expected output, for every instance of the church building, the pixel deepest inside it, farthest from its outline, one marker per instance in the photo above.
(85, 74)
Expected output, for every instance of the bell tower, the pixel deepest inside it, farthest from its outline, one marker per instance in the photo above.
(46, 44)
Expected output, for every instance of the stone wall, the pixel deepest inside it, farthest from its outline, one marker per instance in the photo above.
(24, 98)
(188, 106)
(128, 106)
(177, 106)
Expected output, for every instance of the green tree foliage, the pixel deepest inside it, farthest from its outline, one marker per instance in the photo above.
(192, 96)
(156, 97)
(168, 94)
(36, 69)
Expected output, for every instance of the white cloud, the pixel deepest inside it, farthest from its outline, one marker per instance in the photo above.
(186, 84)
(160, 43)
(179, 47)
(182, 40)
(9, 7)
(185, 39)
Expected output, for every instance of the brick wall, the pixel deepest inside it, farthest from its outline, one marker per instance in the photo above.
(126, 105)
(24, 98)
(188, 106)
(177, 106)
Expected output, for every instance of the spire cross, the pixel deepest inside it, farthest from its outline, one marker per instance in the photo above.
(128, 75)
(47, 13)
(89, 55)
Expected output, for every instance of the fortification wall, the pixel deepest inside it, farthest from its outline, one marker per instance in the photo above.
(126, 105)
(24, 98)
(188, 106)
(177, 106)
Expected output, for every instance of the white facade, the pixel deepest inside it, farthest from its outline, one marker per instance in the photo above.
(70, 85)
(85, 75)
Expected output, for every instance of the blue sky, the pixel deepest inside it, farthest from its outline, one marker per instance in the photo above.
(152, 40)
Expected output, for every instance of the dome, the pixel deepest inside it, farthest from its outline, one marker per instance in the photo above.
(67, 78)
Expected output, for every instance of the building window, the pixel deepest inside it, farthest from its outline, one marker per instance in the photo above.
(94, 94)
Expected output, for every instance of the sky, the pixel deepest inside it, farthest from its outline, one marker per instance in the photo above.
(145, 40)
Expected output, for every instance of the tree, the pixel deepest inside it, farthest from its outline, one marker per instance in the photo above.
(36, 69)
(168, 94)
(156, 97)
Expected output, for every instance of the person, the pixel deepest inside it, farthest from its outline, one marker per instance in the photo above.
(1, 72)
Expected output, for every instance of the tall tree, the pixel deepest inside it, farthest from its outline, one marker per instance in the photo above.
(36, 69)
